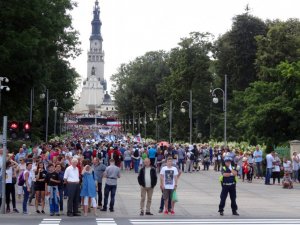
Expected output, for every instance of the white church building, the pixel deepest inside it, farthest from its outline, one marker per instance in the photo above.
(94, 98)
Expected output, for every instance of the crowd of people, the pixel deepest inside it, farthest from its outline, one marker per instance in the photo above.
(75, 169)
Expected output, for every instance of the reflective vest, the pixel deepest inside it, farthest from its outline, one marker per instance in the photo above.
(227, 180)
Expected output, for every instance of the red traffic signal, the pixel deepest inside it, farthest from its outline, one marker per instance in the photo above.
(14, 125)
(27, 126)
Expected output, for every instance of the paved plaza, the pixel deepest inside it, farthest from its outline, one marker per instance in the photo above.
(198, 195)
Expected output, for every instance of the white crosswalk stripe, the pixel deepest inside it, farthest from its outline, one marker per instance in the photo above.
(105, 221)
(215, 221)
(50, 221)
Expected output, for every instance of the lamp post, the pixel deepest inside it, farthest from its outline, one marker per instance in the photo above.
(216, 100)
(47, 116)
(182, 109)
(6, 80)
(156, 120)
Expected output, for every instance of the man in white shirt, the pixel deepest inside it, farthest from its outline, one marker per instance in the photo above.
(270, 161)
(71, 177)
(168, 183)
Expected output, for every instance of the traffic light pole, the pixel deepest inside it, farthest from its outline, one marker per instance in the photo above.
(3, 170)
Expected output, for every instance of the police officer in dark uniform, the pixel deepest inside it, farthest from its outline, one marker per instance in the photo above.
(228, 182)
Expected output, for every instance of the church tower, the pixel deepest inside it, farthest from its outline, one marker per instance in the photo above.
(94, 86)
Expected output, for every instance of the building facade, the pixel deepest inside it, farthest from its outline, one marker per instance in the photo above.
(94, 97)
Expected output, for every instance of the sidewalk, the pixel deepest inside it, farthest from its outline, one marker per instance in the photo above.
(199, 195)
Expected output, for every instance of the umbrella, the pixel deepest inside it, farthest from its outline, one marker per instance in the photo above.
(164, 143)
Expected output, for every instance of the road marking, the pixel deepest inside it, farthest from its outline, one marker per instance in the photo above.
(105, 221)
(214, 221)
(48, 221)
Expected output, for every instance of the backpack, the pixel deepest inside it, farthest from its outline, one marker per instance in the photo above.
(136, 153)
(21, 179)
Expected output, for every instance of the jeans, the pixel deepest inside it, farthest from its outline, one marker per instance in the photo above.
(127, 164)
(53, 199)
(295, 175)
(61, 198)
(258, 167)
(181, 164)
(112, 190)
(136, 163)
(25, 200)
(99, 194)
(268, 175)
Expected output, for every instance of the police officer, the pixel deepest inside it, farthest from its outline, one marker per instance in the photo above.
(228, 182)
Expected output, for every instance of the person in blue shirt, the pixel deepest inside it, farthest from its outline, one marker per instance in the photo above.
(152, 154)
(258, 161)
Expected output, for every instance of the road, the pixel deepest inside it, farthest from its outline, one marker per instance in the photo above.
(198, 204)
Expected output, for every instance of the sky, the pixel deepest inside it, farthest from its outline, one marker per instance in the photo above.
(130, 28)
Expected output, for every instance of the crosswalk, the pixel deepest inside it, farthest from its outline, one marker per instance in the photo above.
(50, 221)
(175, 221)
(105, 221)
(214, 221)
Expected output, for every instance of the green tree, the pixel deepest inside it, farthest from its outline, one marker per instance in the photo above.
(37, 39)
(136, 85)
(189, 64)
(271, 108)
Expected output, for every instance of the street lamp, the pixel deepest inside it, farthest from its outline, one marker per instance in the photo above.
(6, 80)
(156, 120)
(182, 109)
(47, 116)
(216, 100)
(170, 120)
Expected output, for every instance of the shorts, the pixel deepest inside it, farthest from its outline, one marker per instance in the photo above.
(39, 187)
(167, 193)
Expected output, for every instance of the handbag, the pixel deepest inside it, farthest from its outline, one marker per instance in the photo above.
(174, 196)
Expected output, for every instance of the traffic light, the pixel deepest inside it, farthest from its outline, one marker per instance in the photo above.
(14, 129)
(27, 129)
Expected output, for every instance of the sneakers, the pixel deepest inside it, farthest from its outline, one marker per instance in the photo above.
(160, 211)
(172, 212)
(51, 214)
(38, 211)
(149, 214)
(221, 213)
(43, 211)
(142, 213)
(166, 212)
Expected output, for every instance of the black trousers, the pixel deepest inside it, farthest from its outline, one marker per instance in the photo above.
(99, 194)
(10, 190)
(73, 197)
(231, 189)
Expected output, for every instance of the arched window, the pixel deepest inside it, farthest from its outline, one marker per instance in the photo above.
(93, 58)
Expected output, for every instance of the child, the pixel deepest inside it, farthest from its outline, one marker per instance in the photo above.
(250, 172)
(287, 181)
(245, 168)
(88, 189)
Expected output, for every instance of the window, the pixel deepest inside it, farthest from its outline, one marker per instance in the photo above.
(97, 58)
(93, 58)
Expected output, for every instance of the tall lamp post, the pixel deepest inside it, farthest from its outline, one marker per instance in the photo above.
(156, 120)
(216, 100)
(182, 109)
(47, 116)
(6, 80)
(170, 120)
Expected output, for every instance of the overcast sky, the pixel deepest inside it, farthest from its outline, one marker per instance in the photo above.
(130, 28)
